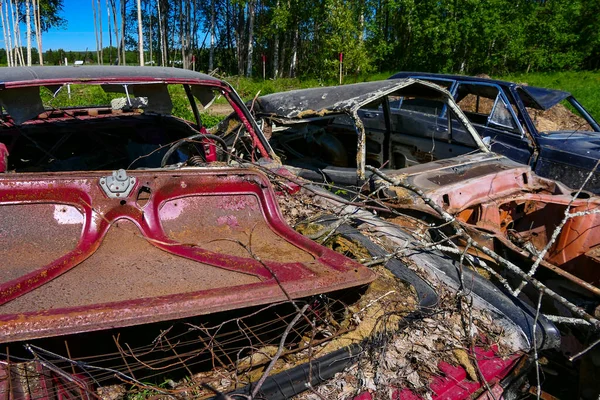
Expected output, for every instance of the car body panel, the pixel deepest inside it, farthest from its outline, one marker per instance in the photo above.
(527, 145)
(195, 223)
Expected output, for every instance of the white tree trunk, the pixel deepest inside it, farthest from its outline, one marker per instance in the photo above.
(16, 30)
(149, 11)
(109, 35)
(276, 48)
(11, 62)
(140, 32)
(182, 32)
(123, 17)
(38, 29)
(250, 37)
(98, 61)
(113, 5)
(5, 31)
(211, 55)
(294, 59)
(160, 36)
(28, 28)
(100, 32)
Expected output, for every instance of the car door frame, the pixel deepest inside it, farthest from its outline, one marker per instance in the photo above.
(523, 148)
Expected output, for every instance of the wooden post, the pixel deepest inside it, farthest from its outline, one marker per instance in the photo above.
(264, 62)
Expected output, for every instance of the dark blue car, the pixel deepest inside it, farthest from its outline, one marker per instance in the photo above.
(530, 125)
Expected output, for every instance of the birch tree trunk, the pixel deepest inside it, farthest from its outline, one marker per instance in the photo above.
(123, 30)
(250, 36)
(276, 56)
(109, 34)
(28, 28)
(113, 5)
(96, 31)
(160, 35)
(149, 12)
(239, 38)
(294, 60)
(5, 21)
(14, 12)
(276, 48)
(140, 32)
(5, 30)
(211, 54)
(38, 29)
(182, 29)
(100, 33)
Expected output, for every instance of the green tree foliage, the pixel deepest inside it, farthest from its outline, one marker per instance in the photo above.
(467, 36)
(305, 37)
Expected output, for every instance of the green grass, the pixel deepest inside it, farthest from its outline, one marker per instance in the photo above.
(585, 86)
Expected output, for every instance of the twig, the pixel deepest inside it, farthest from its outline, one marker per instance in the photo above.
(582, 352)
(538, 390)
(279, 350)
(566, 320)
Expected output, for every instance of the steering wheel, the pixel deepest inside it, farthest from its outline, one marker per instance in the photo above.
(178, 144)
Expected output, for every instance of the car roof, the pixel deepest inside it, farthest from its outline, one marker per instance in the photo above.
(302, 103)
(33, 76)
(532, 96)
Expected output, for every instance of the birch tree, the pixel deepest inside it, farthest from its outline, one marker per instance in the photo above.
(37, 20)
(251, 11)
(140, 32)
(211, 54)
(28, 29)
(113, 6)
(95, 13)
(5, 33)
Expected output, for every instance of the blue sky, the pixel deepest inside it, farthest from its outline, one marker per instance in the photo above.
(79, 32)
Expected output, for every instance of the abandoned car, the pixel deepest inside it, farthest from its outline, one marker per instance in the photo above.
(348, 137)
(332, 135)
(549, 130)
(169, 248)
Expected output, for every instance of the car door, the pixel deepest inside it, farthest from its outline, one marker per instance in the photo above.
(490, 112)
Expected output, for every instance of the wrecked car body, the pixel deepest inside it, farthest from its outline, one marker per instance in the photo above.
(166, 247)
(493, 195)
(531, 235)
(549, 130)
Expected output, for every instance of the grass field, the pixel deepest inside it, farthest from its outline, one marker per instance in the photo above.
(585, 86)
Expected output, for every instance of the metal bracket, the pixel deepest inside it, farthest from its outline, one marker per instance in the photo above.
(118, 184)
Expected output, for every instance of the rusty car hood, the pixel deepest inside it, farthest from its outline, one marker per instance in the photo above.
(76, 257)
(468, 178)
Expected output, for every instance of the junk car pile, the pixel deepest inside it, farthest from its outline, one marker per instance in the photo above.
(340, 250)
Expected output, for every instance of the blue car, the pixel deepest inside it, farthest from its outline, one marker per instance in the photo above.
(546, 129)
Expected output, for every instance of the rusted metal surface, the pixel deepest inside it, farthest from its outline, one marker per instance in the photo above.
(203, 242)
(498, 199)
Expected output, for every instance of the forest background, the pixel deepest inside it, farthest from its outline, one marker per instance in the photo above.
(554, 43)
(305, 38)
